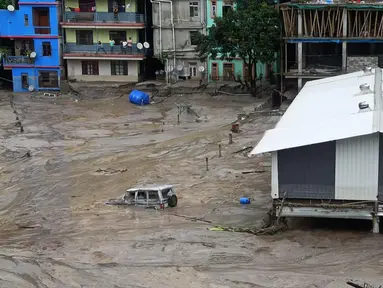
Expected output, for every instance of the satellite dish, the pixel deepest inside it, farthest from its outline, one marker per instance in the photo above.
(180, 68)
(146, 45)
(139, 46)
(201, 68)
(10, 8)
(32, 55)
(31, 88)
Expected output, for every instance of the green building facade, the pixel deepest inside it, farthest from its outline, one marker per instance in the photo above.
(225, 70)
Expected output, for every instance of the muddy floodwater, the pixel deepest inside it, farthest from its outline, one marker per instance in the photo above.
(56, 231)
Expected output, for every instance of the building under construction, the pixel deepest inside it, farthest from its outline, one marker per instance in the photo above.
(322, 40)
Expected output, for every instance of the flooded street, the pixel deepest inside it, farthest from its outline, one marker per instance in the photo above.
(56, 231)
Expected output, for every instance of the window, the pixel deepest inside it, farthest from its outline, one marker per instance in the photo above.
(228, 71)
(119, 67)
(84, 37)
(117, 36)
(192, 69)
(226, 9)
(24, 80)
(26, 20)
(89, 67)
(194, 9)
(48, 79)
(47, 50)
(193, 37)
(213, 9)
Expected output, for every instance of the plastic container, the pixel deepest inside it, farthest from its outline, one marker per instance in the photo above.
(244, 200)
(139, 98)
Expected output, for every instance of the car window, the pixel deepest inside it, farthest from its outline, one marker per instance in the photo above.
(153, 195)
(165, 193)
(141, 195)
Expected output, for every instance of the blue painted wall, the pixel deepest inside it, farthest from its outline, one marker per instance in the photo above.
(33, 74)
(13, 25)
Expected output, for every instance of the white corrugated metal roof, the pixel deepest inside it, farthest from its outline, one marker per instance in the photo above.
(324, 110)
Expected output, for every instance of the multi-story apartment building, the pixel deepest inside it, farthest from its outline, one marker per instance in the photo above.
(29, 35)
(329, 39)
(227, 70)
(90, 26)
(175, 23)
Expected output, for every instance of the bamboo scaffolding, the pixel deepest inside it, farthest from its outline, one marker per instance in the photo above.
(328, 23)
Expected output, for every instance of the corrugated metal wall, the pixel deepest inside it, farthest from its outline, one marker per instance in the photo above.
(307, 172)
(356, 172)
(380, 177)
(274, 175)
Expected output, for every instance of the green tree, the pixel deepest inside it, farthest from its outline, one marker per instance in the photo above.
(251, 32)
(4, 3)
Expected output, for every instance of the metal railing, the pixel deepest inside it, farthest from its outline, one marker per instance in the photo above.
(104, 17)
(15, 60)
(106, 49)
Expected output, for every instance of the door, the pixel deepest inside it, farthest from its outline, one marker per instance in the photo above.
(214, 71)
(24, 81)
(228, 71)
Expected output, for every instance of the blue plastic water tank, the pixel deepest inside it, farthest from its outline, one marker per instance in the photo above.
(139, 98)
(244, 200)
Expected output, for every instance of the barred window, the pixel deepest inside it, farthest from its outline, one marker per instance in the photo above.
(119, 67)
(89, 67)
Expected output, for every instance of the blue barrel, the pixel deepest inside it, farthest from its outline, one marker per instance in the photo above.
(244, 200)
(139, 98)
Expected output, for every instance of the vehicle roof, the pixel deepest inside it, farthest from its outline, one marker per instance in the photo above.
(150, 187)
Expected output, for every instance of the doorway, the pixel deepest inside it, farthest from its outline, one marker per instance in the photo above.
(41, 20)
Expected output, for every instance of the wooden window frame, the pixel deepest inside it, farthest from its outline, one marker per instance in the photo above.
(95, 67)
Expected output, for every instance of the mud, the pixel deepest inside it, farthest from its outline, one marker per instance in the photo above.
(56, 231)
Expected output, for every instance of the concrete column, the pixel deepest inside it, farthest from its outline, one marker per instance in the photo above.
(344, 57)
(344, 44)
(300, 50)
(375, 224)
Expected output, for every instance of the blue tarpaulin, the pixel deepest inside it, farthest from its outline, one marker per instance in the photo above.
(139, 98)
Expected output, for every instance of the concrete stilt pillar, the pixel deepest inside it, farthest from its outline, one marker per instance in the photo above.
(344, 57)
(375, 224)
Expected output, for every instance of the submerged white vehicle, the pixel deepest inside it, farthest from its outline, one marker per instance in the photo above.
(157, 196)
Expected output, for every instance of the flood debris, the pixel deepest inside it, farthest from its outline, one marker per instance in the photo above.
(253, 171)
(26, 155)
(271, 230)
(28, 226)
(244, 149)
(110, 171)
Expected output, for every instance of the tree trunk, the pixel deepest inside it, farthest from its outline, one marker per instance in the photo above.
(253, 79)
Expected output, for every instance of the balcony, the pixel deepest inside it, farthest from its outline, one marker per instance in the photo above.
(78, 51)
(100, 19)
(17, 61)
(42, 30)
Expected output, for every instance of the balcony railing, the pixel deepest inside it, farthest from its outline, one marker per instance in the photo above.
(106, 49)
(17, 60)
(42, 29)
(104, 17)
